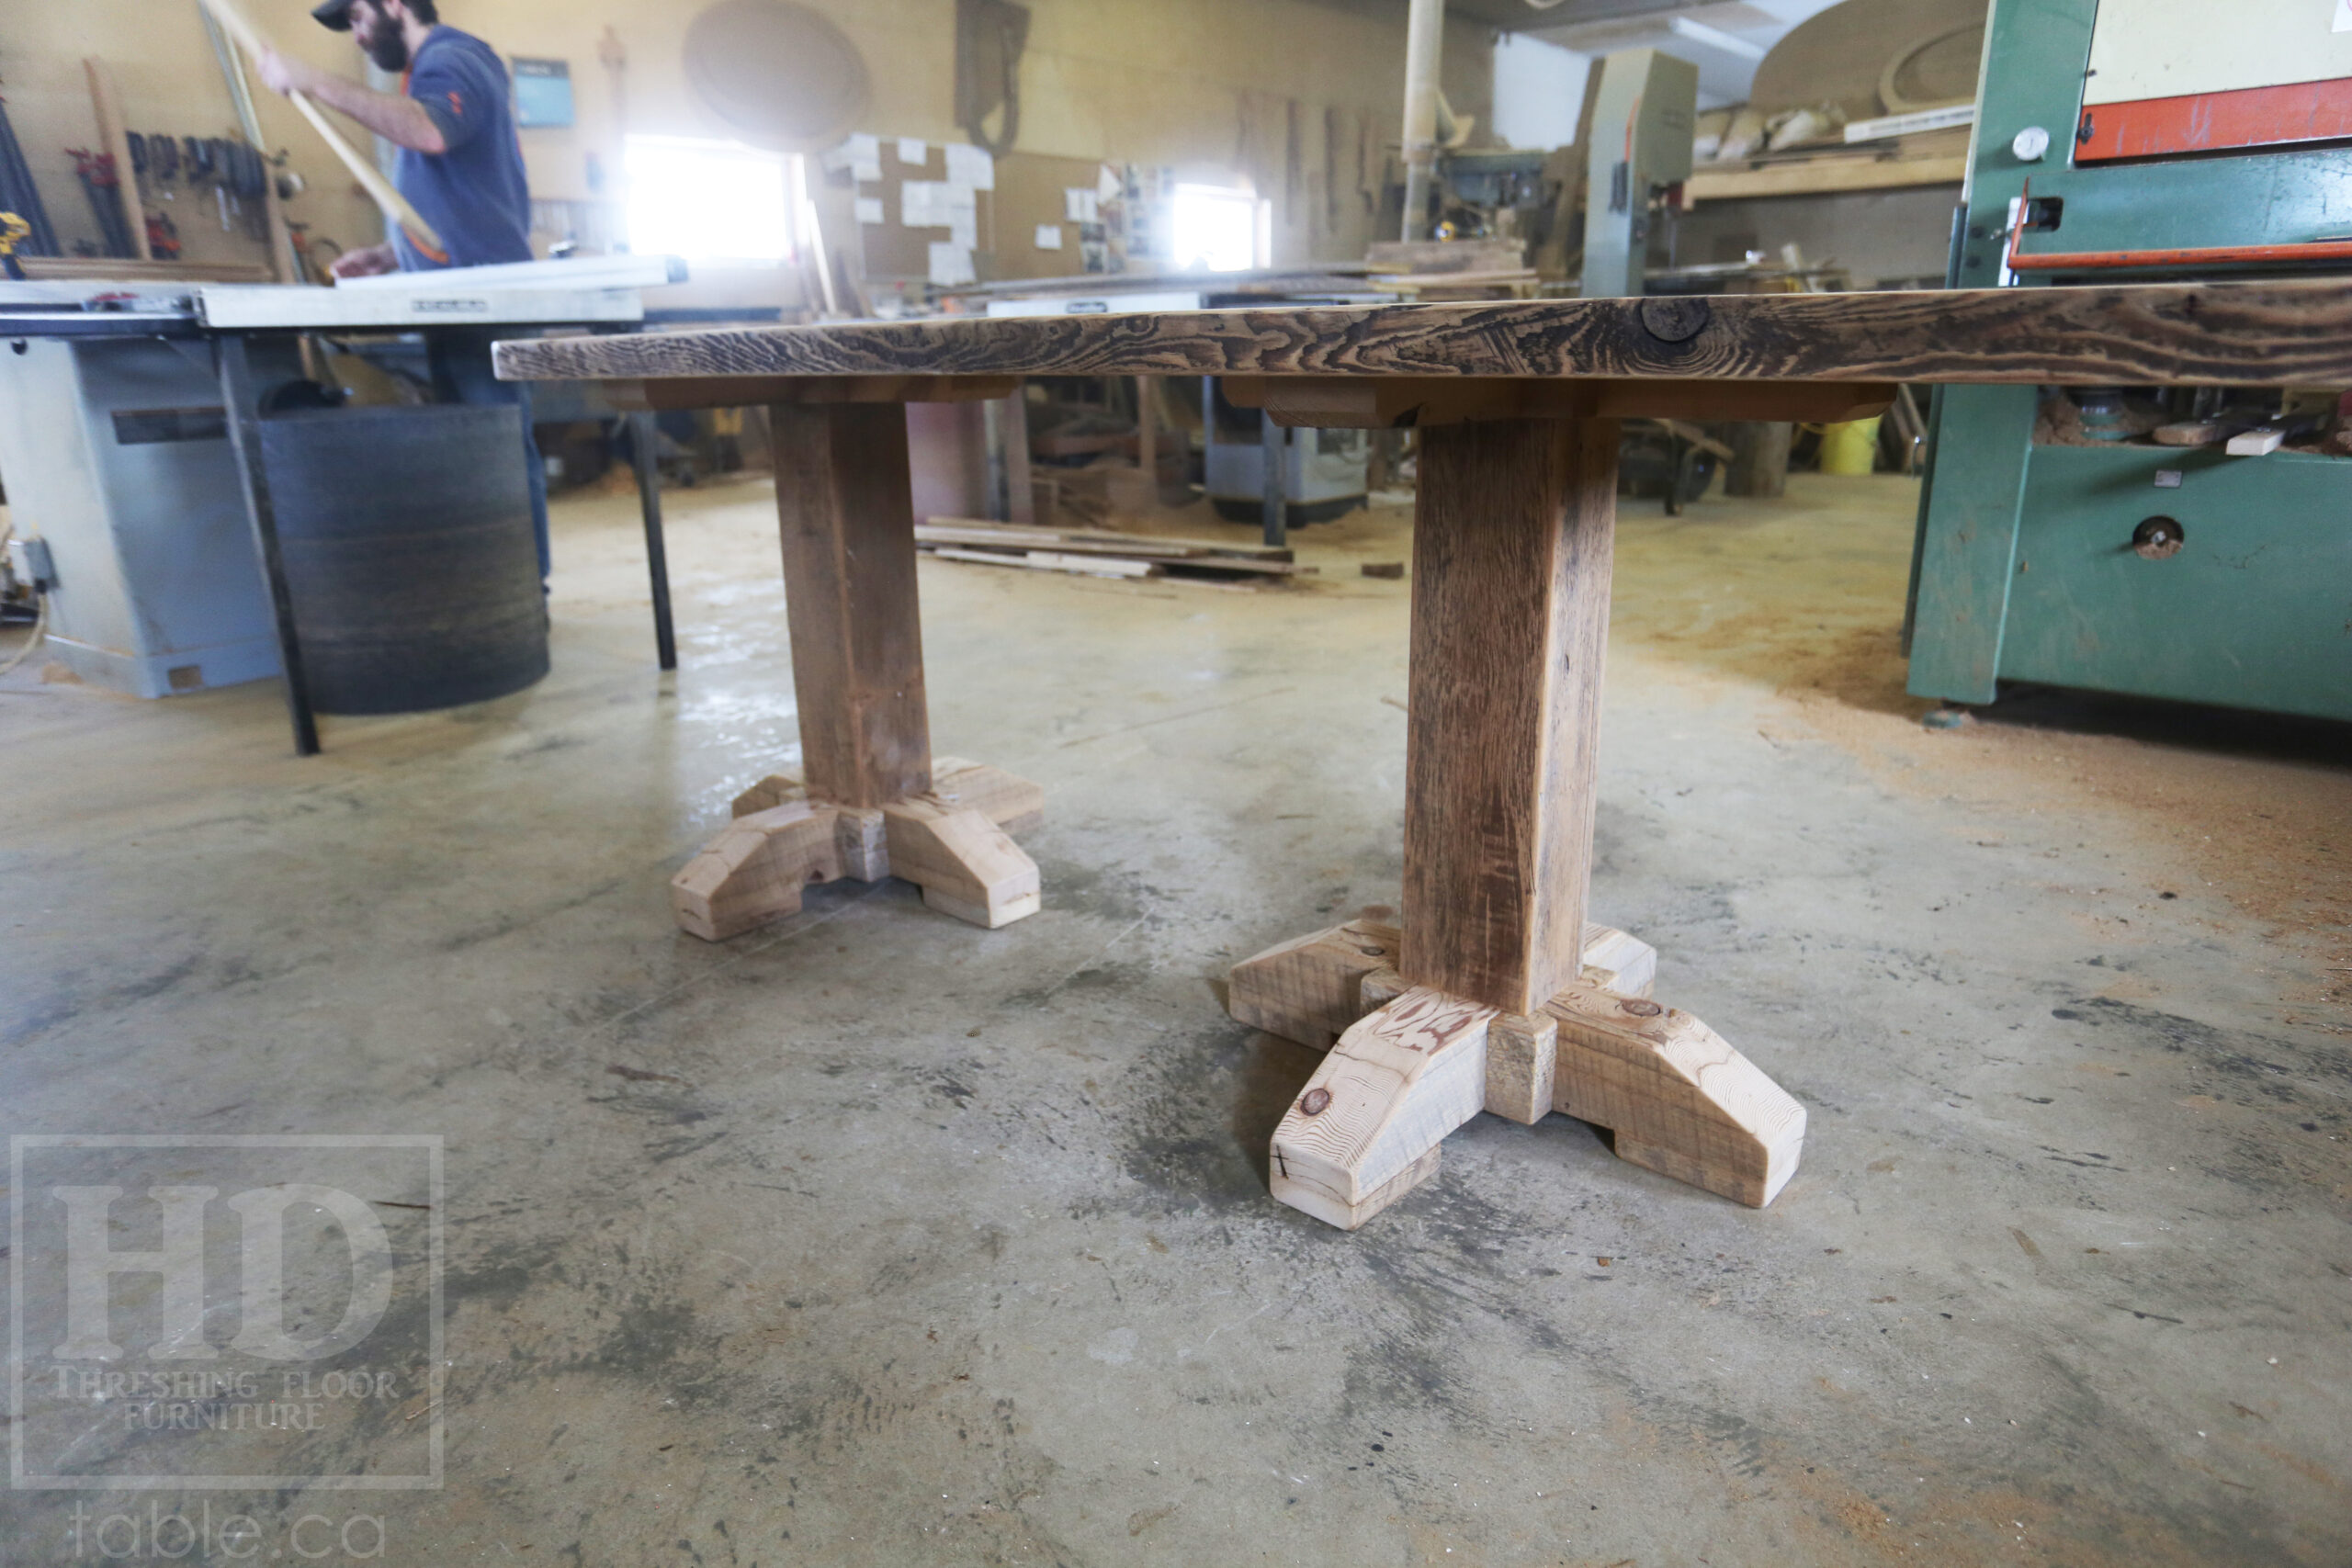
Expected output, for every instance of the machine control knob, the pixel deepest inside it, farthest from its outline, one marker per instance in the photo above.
(2030, 144)
(2158, 538)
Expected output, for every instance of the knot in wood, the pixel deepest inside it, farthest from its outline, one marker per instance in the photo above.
(1675, 318)
(1640, 1006)
(1315, 1101)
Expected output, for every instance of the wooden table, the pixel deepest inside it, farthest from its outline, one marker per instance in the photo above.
(1493, 991)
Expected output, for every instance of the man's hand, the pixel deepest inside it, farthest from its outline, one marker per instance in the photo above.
(366, 263)
(286, 76)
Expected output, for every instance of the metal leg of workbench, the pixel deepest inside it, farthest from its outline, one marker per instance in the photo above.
(243, 421)
(1270, 434)
(644, 442)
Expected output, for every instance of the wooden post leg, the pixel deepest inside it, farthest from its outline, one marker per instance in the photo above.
(1512, 556)
(1499, 996)
(867, 801)
(844, 498)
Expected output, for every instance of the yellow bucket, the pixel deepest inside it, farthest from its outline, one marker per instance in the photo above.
(1850, 448)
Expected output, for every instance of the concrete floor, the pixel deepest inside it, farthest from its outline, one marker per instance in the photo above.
(877, 1238)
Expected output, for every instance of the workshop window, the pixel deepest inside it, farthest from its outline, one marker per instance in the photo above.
(709, 200)
(1219, 230)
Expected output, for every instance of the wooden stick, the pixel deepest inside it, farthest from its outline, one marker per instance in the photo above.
(116, 138)
(371, 179)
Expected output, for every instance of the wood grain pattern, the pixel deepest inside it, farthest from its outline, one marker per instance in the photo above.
(1679, 1100)
(2250, 335)
(965, 864)
(754, 872)
(844, 498)
(1309, 989)
(1511, 553)
(736, 391)
(781, 841)
(1682, 1102)
(1312, 989)
(1523, 1050)
(1400, 402)
(1360, 1135)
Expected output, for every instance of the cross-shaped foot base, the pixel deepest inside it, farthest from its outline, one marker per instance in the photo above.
(955, 841)
(1408, 1064)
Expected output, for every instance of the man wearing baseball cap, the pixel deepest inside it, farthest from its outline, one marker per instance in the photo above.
(460, 166)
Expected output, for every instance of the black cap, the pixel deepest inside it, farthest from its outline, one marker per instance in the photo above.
(333, 13)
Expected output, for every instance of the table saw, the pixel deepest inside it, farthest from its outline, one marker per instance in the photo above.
(129, 418)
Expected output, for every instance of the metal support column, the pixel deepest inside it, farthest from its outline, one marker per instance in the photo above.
(243, 410)
(644, 445)
(1270, 434)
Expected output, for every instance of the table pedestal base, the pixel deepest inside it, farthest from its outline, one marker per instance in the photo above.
(954, 840)
(1410, 1064)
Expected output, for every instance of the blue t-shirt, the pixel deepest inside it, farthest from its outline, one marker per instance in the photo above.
(474, 194)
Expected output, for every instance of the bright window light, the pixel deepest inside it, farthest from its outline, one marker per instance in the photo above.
(1217, 229)
(708, 200)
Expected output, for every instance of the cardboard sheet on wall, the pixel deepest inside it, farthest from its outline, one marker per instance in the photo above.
(932, 219)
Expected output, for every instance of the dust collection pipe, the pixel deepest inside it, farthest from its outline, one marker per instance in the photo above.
(1424, 42)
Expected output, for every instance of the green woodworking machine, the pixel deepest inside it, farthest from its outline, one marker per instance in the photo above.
(2061, 539)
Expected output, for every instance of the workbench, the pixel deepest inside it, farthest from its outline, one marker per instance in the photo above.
(130, 441)
(1492, 991)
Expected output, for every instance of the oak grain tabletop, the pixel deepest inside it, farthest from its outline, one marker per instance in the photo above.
(2249, 335)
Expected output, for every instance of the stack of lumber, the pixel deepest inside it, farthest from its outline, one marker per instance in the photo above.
(1451, 269)
(1095, 553)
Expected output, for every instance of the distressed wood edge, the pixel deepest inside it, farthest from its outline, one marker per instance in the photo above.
(1311, 988)
(965, 863)
(1680, 1101)
(1398, 403)
(753, 871)
(661, 393)
(2248, 333)
(1360, 1135)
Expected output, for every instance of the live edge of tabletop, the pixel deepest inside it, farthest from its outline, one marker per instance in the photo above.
(1490, 991)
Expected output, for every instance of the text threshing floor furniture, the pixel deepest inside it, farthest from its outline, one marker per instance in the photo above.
(1492, 991)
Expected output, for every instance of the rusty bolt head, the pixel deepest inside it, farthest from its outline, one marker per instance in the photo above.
(1640, 1006)
(1315, 1101)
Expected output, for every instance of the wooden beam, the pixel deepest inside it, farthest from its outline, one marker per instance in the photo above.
(965, 863)
(1682, 1102)
(754, 872)
(1511, 551)
(2247, 334)
(1012, 802)
(847, 511)
(1677, 1098)
(1364, 1132)
(740, 391)
(1313, 989)
(1399, 402)
(106, 105)
(781, 841)
(1814, 176)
